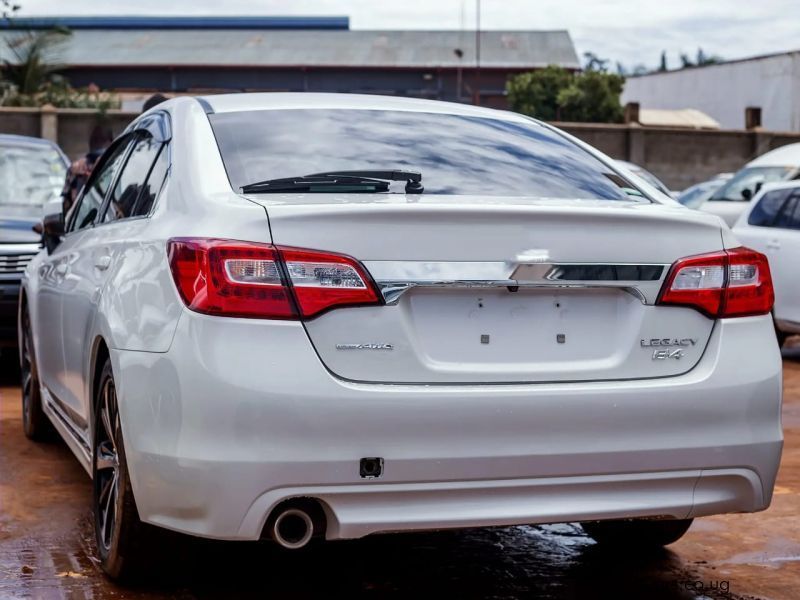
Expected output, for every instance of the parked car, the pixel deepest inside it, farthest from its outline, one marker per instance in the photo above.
(772, 225)
(646, 175)
(696, 195)
(730, 200)
(280, 316)
(32, 172)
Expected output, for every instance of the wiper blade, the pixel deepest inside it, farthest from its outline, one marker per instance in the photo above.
(359, 181)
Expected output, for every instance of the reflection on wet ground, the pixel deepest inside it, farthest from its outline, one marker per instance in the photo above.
(46, 548)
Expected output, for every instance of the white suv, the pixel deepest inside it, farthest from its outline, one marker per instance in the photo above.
(772, 225)
(288, 315)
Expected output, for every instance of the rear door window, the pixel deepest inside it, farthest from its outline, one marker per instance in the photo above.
(765, 213)
(131, 181)
(153, 184)
(789, 217)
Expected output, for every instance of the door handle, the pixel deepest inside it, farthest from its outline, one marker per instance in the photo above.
(102, 263)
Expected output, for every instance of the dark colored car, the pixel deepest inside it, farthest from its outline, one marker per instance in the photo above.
(32, 172)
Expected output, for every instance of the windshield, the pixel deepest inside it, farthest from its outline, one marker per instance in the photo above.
(694, 196)
(750, 178)
(30, 176)
(455, 154)
(651, 179)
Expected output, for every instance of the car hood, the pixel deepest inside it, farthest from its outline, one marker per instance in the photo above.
(18, 228)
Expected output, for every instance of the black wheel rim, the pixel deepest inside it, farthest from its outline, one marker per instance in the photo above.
(106, 462)
(26, 369)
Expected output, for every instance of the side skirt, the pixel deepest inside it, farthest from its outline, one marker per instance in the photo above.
(74, 438)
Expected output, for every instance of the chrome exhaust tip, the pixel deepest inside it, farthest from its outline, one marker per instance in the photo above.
(292, 528)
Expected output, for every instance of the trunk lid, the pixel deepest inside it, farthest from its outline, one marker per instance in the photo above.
(502, 290)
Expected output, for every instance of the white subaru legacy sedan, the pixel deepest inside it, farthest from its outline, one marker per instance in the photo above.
(285, 316)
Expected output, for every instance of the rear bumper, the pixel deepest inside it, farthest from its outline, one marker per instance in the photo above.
(218, 432)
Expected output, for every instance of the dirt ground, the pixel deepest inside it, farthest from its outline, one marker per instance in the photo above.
(46, 549)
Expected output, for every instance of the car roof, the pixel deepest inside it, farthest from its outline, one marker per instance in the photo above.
(785, 156)
(777, 185)
(10, 139)
(225, 103)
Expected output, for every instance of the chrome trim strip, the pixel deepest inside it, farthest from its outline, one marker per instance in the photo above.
(394, 278)
(17, 248)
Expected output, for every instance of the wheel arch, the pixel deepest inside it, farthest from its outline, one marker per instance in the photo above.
(21, 305)
(100, 354)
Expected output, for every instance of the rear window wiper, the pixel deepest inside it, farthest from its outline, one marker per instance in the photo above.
(338, 181)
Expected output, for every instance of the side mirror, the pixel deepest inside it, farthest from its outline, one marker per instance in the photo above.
(747, 193)
(53, 230)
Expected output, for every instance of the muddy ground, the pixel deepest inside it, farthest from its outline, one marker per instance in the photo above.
(46, 549)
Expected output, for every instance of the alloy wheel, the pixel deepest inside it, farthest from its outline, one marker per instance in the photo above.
(106, 457)
(26, 368)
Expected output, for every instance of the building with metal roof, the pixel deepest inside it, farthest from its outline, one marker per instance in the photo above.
(216, 54)
(767, 86)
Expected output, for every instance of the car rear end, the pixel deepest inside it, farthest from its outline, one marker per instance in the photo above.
(450, 359)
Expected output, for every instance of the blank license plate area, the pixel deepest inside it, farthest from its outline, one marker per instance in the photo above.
(532, 329)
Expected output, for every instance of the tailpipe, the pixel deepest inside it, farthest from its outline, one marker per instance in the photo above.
(292, 528)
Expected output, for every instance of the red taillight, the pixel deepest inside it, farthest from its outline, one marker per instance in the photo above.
(244, 279)
(729, 283)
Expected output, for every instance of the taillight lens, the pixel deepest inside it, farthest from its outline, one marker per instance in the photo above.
(323, 280)
(245, 279)
(730, 283)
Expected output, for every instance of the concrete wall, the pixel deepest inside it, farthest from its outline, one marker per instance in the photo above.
(723, 91)
(680, 157)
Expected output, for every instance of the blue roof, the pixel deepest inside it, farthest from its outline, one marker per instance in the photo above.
(178, 22)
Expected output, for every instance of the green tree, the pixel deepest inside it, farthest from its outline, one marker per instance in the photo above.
(557, 94)
(592, 97)
(35, 59)
(594, 62)
(536, 93)
(663, 64)
(7, 9)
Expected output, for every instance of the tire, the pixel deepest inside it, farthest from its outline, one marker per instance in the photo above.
(35, 423)
(637, 533)
(121, 538)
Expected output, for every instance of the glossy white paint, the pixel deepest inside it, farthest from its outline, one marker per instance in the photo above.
(219, 437)
(224, 417)
(782, 246)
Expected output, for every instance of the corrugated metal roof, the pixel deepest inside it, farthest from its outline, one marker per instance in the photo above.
(682, 117)
(346, 48)
(146, 22)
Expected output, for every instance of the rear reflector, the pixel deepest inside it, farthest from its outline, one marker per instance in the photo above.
(244, 279)
(730, 283)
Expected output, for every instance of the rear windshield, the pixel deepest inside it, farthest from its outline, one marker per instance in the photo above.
(455, 154)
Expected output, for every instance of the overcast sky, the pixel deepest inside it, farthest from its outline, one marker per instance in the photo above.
(622, 30)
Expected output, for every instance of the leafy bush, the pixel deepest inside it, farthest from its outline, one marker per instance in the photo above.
(555, 94)
(31, 79)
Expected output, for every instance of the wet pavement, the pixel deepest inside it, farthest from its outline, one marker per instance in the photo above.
(46, 550)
